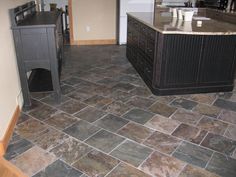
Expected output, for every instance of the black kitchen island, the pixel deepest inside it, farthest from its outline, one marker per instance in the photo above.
(177, 57)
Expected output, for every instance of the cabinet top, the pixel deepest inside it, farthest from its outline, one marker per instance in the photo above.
(163, 22)
(45, 19)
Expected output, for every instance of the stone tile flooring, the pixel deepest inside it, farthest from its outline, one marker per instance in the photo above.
(109, 124)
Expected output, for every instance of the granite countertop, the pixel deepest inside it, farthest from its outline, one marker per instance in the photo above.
(163, 22)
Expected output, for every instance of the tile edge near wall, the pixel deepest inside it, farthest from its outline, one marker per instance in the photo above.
(8, 134)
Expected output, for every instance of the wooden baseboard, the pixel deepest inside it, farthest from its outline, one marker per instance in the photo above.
(95, 42)
(4, 142)
(9, 170)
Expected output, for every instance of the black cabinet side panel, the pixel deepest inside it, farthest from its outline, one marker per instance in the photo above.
(218, 60)
(181, 60)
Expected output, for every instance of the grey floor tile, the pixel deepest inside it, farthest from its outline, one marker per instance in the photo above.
(131, 153)
(222, 165)
(225, 104)
(219, 143)
(183, 103)
(105, 141)
(111, 122)
(16, 147)
(193, 154)
(59, 169)
(138, 115)
(81, 130)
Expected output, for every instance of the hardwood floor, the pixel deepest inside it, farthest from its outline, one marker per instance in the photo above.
(9, 170)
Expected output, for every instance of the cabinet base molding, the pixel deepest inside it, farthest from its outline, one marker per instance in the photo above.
(95, 42)
(4, 142)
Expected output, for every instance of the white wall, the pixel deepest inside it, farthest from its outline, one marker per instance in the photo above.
(9, 79)
(94, 19)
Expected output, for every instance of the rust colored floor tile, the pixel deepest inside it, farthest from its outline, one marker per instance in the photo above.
(90, 114)
(30, 129)
(162, 109)
(23, 117)
(43, 112)
(140, 102)
(162, 142)
(123, 170)
(49, 139)
(204, 98)
(163, 124)
(50, 100)
(212, 125)
(228, 116)
(162, 165)
(33, 160)
(163, 99)
(189, 133)
(187, 117)
(123, 87)
(96, 164)
(98, 101)
(211, 111)
(141, 91)
(72, 106)
(117, 108)
(120, 96)
(71, 150)
(191, 171)
(61, 121)
(135, 132)
(219, 143)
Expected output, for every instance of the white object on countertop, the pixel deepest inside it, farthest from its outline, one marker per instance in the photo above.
(199, 23)
(180, 14)
(188, 15)
(131, 6)
(174, 12)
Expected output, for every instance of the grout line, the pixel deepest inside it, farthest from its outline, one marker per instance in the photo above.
(112, 169)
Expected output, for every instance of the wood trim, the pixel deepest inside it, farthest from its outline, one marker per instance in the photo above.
(9, 170)
(95, 42)
(4, 142)
(71, 22)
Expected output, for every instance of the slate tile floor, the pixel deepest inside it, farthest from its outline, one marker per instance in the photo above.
(109, 124)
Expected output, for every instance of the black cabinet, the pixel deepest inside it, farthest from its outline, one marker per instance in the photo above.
(39, 45)
(180, 63)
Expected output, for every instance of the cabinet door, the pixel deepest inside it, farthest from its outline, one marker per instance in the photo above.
(181, 60)
(218, 60)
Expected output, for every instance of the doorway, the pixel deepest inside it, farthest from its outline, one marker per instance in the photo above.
(93, 22)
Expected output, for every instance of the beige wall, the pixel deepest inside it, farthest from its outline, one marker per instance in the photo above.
(98, 15)
(9, 79)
